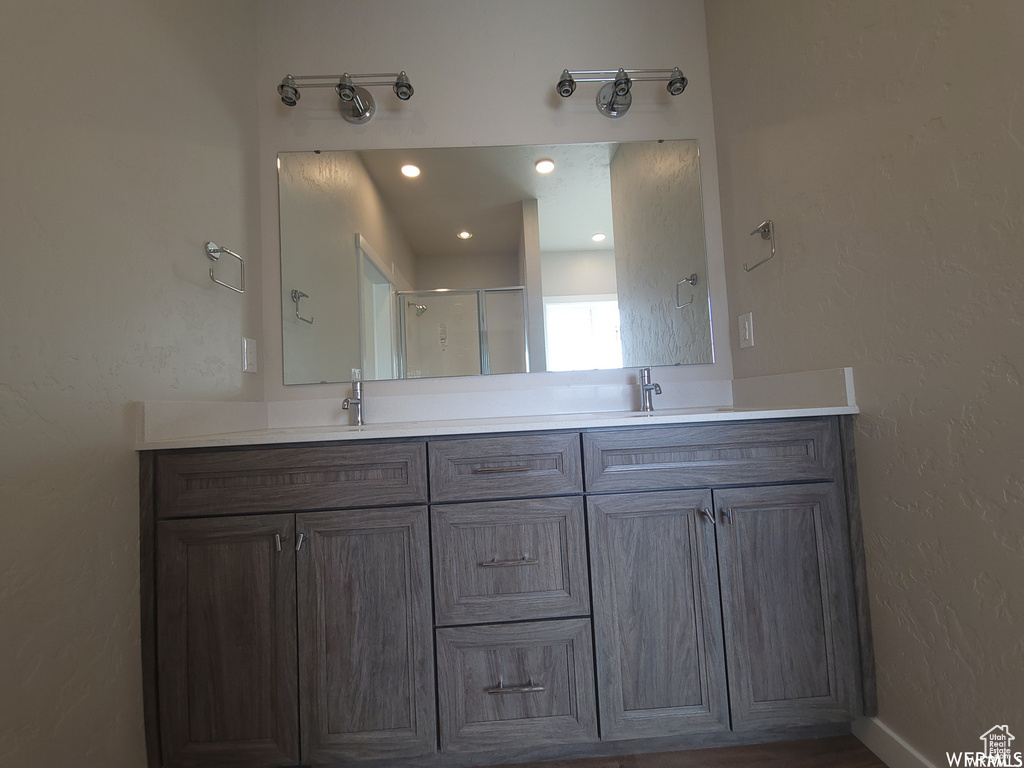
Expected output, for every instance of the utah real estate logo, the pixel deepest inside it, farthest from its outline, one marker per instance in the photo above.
(997, 750)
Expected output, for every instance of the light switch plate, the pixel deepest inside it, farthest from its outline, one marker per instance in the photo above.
(746, 329)
(250, 357)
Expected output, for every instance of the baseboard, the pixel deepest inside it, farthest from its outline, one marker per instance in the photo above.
(889, 746)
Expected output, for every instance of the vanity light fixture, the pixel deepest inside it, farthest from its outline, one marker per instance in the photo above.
(464, 235)
(545, 166)
(357, 105)
(410, 170)
(615, 96)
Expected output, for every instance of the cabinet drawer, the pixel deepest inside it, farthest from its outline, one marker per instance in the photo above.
(509, 560)
(290, 479)
(504, 467)
(716, 455)
(516, 684)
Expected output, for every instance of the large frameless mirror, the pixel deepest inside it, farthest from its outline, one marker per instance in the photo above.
(415, 263)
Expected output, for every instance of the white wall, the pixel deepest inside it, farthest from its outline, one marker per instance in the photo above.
(530, 267)
(131, 143)
(578, 273)
(484, 73)
(886, 141)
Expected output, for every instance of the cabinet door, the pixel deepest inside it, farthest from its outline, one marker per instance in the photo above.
(226, 641)
(657, 618)
(784, 564)
(365, 637)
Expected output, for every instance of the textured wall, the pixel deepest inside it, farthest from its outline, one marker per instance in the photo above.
(886, 141)
(131, 143)
(655, 198)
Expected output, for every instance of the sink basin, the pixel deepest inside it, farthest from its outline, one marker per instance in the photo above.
(663, 412)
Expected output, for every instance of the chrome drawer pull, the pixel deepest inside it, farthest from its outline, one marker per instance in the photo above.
(708, 514)
(500, 470)
(531, 687)
(507, 563)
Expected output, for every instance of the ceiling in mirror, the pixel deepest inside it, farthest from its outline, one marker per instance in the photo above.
(481, 189)
(600, 260)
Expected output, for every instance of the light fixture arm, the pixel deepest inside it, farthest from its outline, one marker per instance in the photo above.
(609, 75)
(331, 81)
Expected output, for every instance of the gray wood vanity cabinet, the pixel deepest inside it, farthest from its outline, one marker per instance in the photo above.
(777, 579)
(769, 564)
(243, 599)
(592, 592)
(502, 555)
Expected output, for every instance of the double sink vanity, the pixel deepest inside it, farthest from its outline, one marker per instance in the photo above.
(459, 594)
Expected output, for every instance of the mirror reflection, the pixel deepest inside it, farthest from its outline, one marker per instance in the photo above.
(464, 261)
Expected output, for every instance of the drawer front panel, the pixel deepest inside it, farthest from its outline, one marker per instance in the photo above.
(516, 684)
(505, 467)
(712, 455)
(509, 560)
(289, 479)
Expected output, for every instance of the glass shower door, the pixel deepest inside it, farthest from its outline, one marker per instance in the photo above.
(441, 333)
(504, 326)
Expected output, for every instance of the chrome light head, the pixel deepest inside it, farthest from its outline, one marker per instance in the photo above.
(345, 88)
(566, 85)
(289, 91)
(402, 87)
(622, 83)
(677, 82)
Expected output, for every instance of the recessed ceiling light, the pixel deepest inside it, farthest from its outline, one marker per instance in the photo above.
(464, 235)
(598, 237)
(545, 166)
(411, 171)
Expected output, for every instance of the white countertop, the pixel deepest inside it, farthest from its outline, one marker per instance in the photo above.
(500, 405)
(483, 426)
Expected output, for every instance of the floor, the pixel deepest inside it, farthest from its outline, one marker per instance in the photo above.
(834, 752)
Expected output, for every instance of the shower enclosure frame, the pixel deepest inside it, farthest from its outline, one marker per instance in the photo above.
(485, 361)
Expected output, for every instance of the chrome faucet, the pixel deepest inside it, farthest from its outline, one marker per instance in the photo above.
(647, 390)
(356, 400)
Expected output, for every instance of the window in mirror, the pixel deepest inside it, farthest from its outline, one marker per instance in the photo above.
(582, 333)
